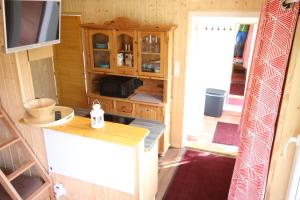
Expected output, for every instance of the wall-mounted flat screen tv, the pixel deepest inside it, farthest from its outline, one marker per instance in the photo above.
(30, 24)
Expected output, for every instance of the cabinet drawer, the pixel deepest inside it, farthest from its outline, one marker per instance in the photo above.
(106, 104)
(124, 107)
(149, 112)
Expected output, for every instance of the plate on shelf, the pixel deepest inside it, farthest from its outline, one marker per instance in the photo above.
(103, 65)
(101, 46)
(66, 115)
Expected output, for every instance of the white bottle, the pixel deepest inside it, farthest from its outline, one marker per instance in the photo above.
(97, 115)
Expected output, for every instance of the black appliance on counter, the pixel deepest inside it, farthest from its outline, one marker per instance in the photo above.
(118, 86)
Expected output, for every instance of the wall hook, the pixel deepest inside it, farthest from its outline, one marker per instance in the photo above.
(287, 4)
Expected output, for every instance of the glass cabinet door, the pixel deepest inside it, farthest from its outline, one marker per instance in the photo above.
(151, 48)
(125, 52)
(101, 55)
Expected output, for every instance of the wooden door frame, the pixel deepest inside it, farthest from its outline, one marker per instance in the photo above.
(181, 140)
(279, 171)
(287, 126)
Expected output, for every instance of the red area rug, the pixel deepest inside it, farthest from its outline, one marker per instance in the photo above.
(236, 101)
(192, 138)
(227, 133)
(237, 89)
(201, 176)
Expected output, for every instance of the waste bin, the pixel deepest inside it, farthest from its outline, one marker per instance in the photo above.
(214, 100)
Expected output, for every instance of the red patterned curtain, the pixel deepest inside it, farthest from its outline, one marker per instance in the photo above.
(271, 53)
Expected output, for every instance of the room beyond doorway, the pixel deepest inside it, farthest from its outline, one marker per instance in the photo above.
(211, 64)
(207, 134)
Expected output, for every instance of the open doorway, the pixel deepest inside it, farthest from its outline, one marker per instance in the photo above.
(242, 56)
(215, 62)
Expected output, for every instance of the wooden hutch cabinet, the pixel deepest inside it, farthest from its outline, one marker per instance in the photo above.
(124, 48)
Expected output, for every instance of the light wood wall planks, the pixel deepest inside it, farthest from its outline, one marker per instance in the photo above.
(12, 98)
(40, 53)
(288, 126)
(69, 66)
(24, 76)
(160, 12)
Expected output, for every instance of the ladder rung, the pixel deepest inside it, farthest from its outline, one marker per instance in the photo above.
(8, 143)
(44, 191)
(21, 170)
(36, 194)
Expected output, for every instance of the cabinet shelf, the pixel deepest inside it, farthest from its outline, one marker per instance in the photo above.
(117, 74)
(93, 95)
(150, 53)
(124, 51)
(106, 50)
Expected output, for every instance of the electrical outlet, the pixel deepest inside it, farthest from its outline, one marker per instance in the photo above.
(59, 190)
(176, 69)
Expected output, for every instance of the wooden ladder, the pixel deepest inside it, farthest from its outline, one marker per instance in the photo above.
(45, 190)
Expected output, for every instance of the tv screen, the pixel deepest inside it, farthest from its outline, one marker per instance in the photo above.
(31, 23)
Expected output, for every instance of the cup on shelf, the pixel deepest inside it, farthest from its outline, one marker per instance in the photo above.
(120, 59)
(146, 67)
(128, 59)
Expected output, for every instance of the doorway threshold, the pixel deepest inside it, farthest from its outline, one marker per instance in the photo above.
(235, 103)
(227, 150)
(233, 108)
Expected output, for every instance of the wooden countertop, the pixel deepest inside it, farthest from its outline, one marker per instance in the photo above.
(111, 132)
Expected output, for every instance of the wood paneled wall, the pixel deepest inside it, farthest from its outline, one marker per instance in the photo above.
(160, 12)
(12, 96)
(68, 64)
(288, 126)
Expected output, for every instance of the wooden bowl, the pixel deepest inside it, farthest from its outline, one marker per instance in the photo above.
(40, 108)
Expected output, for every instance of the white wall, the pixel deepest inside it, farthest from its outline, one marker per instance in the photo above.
(214, 51)
(93, 161)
